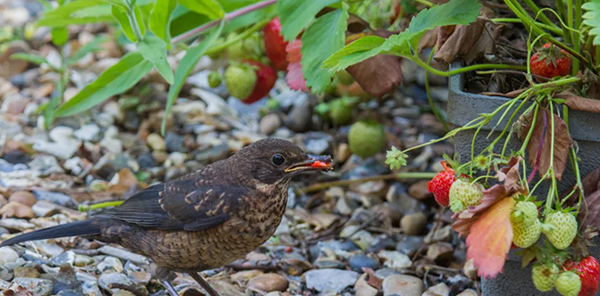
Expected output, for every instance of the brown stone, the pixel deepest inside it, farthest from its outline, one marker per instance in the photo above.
(23, 197)
(16, 210)
(268, 282)
(419, 190)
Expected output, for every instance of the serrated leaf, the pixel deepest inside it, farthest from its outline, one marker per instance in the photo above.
(93, 46)
(592, 18)
(294, 15)
(455, 12)
(210, 8)
(154, 49)
(115, 80)
(321, 39)
(160, 19)
(77, 12)
(186, 65)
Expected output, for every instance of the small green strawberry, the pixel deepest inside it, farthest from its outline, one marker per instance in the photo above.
(524, 212)
(341, 110)
(240, 80)
(214, 79)
(366, 138)
(524, 236)
(568, 284)
(544, 276)
(463, 194)
(560, 229)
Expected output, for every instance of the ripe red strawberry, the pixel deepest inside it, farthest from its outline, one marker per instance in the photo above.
(275, 45)
(550, 62)
(265, 80)
(440, 185)
(589, 273)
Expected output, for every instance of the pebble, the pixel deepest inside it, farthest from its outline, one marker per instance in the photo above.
(443, 234)
(113, 277)
(23, 197)
(440, 251)
(342, 153)
(39, 287)
(357, 262)
(67, 257)
(26, 272)
(330, 280)
(363, 288)
(395, 259)
(268, 282)
(8, 255)
(402, 285)
(413, 224)
(419, 190)
(329, 264)
(409, 245)
(16, 210)
(269, 124)
(16, 157)
(440, 289)
(56, 197)
(470, 270)
(299, 118)
(124, 254)
(173, 142)
(156, 142)
(45, 164)
(145, 160)
(468, 292)
(110, 264)
(16, 224)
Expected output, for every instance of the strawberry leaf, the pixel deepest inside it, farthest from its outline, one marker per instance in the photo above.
(490, 239)
(321, 39)
(592, 18)
(294, 15)
(294, 75)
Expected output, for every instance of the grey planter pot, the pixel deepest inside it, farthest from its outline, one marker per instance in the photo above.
(585, 129)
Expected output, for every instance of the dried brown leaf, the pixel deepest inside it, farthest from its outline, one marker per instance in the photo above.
(429, 39)
(357, 24)
(468, 41)
(373, 280)
(576, 102)
(590, 210)
(540, 144)
(122, 181)
(513, 94)
(378, 75)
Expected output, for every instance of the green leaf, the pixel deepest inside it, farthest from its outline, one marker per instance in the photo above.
(592, 19)
(322, 38)
(60, 36)
(454, 12)
(154, 49)
(77, 12)
(183, 20)
(251, 18)
(93, 46)
(123, 20)
(119, 3)
(294, 15)
(210, 8)
(187, 63)
(140, 20)
(160, 17)
(115, 80)
(30, 57)
(51, 107)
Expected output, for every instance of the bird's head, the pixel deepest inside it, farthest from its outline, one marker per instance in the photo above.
(269, 161)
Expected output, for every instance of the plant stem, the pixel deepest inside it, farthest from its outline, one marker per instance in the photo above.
(220, 47)
(227, 17)
(87, 208)
(425, 2)
(560, 6)
(134, 24)
(429, 98)
(325, 185)
(552, 29)
(577, 35)
(536, 11)
(465, 69)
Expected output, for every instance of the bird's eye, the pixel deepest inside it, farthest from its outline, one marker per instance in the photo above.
(278, 159)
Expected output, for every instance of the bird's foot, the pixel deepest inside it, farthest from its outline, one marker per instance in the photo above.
(205, 285)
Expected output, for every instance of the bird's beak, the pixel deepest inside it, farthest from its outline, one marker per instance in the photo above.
(313, 163)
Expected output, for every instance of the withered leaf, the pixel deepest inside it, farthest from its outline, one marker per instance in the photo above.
(590, 210)
(540, 144)
(576, 102)
(357, 24)
(373, 280)
(469, 41)
(512, 94)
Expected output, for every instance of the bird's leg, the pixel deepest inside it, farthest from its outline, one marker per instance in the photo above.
(206, 286)
(167, 283)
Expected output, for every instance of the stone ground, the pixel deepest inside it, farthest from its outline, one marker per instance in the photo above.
(366, 239)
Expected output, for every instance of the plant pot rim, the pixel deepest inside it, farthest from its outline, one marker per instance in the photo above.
(583, 126)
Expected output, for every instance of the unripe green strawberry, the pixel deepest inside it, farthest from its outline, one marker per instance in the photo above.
(544, 276)
(214, 79)
(240, 80)
(568, 284)
(366, 138)
(560, 229)
(463, 194)
(524, 236)
(524, 212)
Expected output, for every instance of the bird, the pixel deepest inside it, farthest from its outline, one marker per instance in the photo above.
(203, 220)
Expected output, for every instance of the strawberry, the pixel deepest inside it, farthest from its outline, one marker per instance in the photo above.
(589, 274)
(214, 79)
(440, 185)
(275, 45)
(266, 77)
(524, 212)
(560, 229)
(464, 194)
(568, 284)
(525, 236)
(240, 80)
(550, 62)
(544, 276)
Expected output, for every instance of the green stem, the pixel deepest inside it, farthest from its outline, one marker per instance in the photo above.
(425, 2)
(552, 29)
(536, 11)
(134, 24)
(87, 208)
(219, 47)
(429, 98)
(560, 6)
(325, 185)
(465, 69)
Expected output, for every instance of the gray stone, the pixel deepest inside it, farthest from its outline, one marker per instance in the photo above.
(39, 287)
(413, 224)
(8, 255)
(110, 264)
(124, 254)
(299, 118)
(329, 264)
(174, 142)
(402, 285)
(409, 244)
(45, 164)
(440, 289)
(146, 161)
(269, 124)
(330, 280)
(395, 259)
(56, 197)
(357, 262)
(113, 277)
(88, 132)
(16, 224)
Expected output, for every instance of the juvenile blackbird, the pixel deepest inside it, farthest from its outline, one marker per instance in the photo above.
(203, 220)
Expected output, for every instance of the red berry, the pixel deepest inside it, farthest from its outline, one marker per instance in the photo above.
(440, 185)
(289, 249)
(275, 45)
(265, 80)
(550, 62)
(589, 273)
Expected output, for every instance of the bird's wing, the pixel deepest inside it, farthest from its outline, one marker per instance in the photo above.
(178, 205)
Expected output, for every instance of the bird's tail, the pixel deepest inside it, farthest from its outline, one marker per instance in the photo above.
(79, 228)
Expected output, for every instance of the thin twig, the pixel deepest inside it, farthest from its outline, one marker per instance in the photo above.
(325, 185)
(227, 17)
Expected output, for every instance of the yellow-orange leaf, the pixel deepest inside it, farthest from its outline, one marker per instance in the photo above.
(490, 238)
